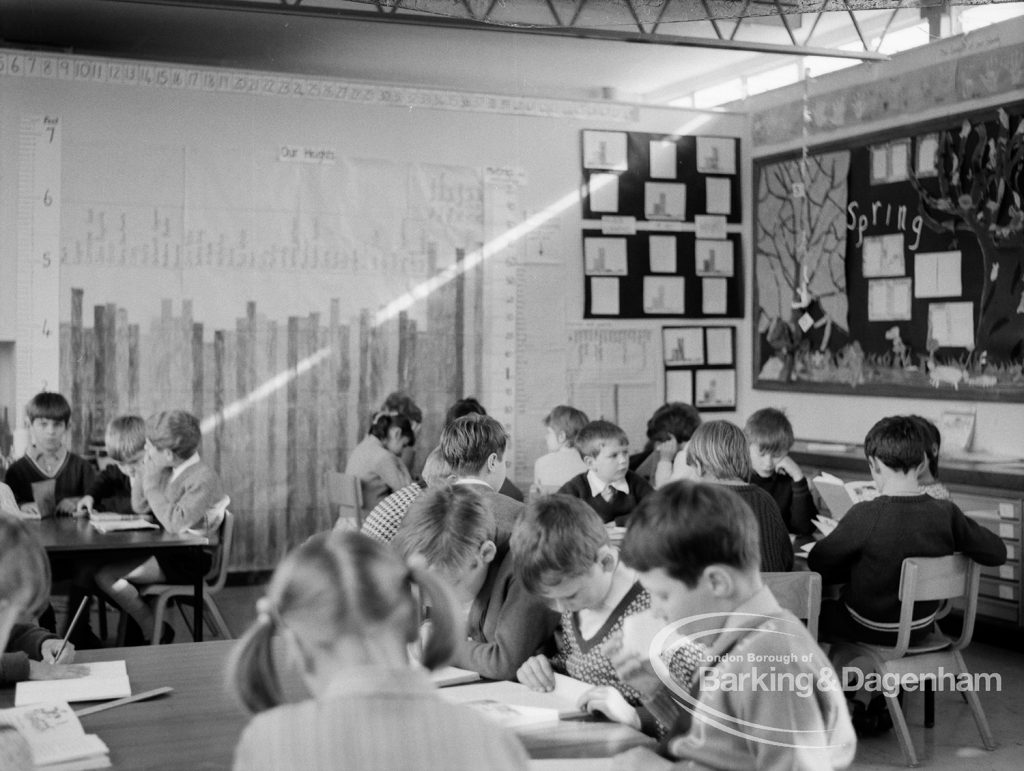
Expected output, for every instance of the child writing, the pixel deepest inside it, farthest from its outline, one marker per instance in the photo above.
(118, 487)
(694, 546)
(608, 486)
(866, 550)
(563, 460)
(183, 493)
(48, 460)
(717, 453)
(770, 436)
(502, 624)
(348, 608)
(377, 459)
(561, 554)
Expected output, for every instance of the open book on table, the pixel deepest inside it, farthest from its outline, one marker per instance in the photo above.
(839, 496)
(516, 706)
(105, 680)
(110, 522)
(56, 738)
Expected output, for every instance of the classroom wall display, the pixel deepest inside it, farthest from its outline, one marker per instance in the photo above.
(700, 366)
(661, 229)
(895, 265)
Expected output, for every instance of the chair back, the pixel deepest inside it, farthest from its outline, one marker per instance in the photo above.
(948, 578)
(217, 575)
(799, 592)
(346, 492)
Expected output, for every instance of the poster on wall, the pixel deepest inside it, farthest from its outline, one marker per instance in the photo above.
(879, 275)
(700, 366)
(661, 214)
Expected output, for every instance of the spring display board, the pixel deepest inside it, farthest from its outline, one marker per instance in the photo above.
(895, 265)
(661, 226)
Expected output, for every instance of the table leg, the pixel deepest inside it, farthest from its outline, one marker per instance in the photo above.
(197, 617)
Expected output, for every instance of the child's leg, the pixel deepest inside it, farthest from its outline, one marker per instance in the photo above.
(118, 582)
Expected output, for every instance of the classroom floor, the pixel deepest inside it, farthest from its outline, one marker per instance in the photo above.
(954, 742)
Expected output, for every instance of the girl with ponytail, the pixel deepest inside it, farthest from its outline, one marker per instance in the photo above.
(348, 608)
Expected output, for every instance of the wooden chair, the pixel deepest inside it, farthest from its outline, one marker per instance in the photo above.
(950, 578)
(214, 581)
(346, 492)
(799, 592)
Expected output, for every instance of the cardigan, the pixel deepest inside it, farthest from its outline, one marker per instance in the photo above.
(619, 507)
(793, 498)
(380, 470)
(377, 718)
(506, 623)
(193, 500)
(776, 548)
(867, 548)
(71, 480)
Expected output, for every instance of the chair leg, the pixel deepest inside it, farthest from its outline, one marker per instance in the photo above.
(216, 618)
(929, 703)
(158, 620)
(101, 611)
(122, 629)
(899, 723)
(975, 703)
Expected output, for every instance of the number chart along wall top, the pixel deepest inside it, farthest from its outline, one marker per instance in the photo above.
(661, 226)
(895, 265)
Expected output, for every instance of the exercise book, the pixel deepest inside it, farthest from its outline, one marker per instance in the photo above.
(104, 680)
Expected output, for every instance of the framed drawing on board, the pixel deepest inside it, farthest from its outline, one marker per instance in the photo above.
(684, 346)
(715, 389)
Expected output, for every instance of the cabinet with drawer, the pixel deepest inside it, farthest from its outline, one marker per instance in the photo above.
(991, 494)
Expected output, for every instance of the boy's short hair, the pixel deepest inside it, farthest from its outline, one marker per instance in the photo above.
(674, 419)
(686, 526)
(556, 538)
(24, 567)
(174, 430)
(720, 447)
(899, 442)
(125, 437)
(567, 420)
(467, 442)
(933, 443)
(401, 403)
(446, 526)
(48, 405)
(463, 407)
(596, 434)
(770, 429)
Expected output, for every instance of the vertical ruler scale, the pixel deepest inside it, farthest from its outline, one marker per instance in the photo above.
(500, 255)
(37, 353)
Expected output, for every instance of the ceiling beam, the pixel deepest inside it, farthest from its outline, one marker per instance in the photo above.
(647, 38)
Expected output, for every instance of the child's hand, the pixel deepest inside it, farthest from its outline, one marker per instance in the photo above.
(67, 506)
(667, 449)
(41, 670)
(790, 468)
(84, 507)
(536, 674)
(50, 648)
(607, 700)
(30, 509)
(640, 759)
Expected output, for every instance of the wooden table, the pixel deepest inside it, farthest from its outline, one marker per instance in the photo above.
(67, 538)
(197, 726)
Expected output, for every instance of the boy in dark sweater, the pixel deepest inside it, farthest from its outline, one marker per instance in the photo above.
(453, 530)
(118, 487)
(608, 486)
(866, 550)
(770, 435)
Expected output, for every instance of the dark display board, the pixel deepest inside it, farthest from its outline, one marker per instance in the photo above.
(661, 226)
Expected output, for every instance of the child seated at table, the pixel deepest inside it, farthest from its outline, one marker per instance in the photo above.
(928, 475)
(47, 460)
(770, 435)
(376, 460)
(561, 554)
(348, 609)
(453, 530)
(118, 486)
(184, 494)
(766, 697)
(608, 486)
(562, 461)
(29, 651)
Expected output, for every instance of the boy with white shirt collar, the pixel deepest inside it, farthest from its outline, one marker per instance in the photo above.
(608, 486)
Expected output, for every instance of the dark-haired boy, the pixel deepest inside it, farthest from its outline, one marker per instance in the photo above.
(770, 435)
(768, 697)
(48, 459)
(866, 550)
(608, 486)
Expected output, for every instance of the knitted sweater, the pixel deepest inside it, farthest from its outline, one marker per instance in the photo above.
(26, 641)
(793, 499)
(619, 507)
(72, 479)
(867, 548)
(776, 548)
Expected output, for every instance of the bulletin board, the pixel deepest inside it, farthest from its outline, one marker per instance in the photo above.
(661, 226)
(895, 265)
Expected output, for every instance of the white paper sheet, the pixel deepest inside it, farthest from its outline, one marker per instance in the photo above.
(716, 155)
(664, 295)
(720, 345)
(713, 257)
(927, 147)
(662, 251)
(604, 256)
(709, 226)
(719, 195)
(106, 680)
(883, 256)
(604, 192)
(937, 274)
(951, 325)
(665, 200)
(663, 159)
(889, 299)
(684, 346)
(899, 160)
(604, 296)
(604, 150)
(715, 388)
(679, 385)
(714, 293)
